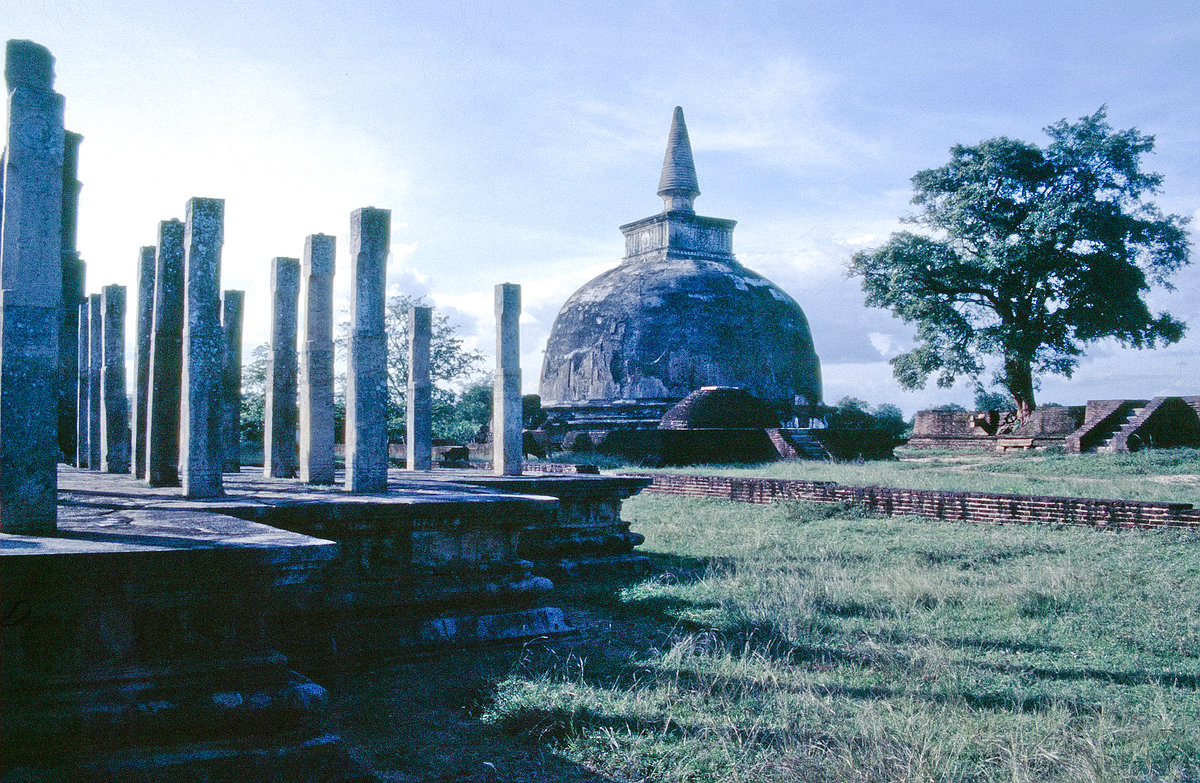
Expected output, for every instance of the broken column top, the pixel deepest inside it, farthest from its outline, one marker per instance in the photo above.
(28, 64)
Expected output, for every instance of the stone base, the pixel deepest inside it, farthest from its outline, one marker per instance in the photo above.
(591, 569)
(135, 649)
(427, 563)
(584, 538)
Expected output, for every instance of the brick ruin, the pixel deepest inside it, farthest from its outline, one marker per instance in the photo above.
(1102, 426)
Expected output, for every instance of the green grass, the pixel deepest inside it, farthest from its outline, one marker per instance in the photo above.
(806, 642)
(1164, 474)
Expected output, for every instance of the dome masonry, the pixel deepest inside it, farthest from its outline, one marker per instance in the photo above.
(679, 313)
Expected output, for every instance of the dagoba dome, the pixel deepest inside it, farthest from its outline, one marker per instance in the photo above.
(678, 314)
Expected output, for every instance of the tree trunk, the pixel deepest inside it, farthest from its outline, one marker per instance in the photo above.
(1018, 379)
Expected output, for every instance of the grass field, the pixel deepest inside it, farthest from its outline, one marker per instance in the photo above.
(1163, 474)
(811, 643)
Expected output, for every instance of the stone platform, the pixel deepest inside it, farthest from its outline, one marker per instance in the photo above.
(585, 537)
(135, 648)
(428, 563)
(146, 639)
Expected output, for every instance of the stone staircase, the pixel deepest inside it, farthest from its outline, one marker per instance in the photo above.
(796, 443)
(1118, 440)
(1111, 434)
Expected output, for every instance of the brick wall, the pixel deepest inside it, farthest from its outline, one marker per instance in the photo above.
(964, 506)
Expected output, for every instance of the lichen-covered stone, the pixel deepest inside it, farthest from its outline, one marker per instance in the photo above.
(419, 416)
(366, 376)
(280, 453)
(114, 406)
(31, 302)
(316, 360)
(145, 325)
(201, 456)
(166, 359)
(506, 397)
(232, 307)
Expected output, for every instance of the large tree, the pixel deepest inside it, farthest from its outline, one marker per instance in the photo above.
(1028, 255)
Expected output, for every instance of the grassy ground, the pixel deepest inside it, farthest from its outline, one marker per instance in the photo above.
(809, 643)
(1163, 474)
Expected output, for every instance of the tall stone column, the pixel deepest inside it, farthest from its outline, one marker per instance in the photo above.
(114, 406)
(279, 411)
(366, 376)
(231, 379)
(506, 396)
(166, 359)
(145, 325)
(419, 416)
(82, 386)
(73, 274)
(316, 360)
(95, 388)
(31, 271)
(201, 456)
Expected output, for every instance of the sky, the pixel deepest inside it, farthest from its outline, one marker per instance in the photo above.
(510, 140)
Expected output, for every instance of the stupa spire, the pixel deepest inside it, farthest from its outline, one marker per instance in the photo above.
(678, 185)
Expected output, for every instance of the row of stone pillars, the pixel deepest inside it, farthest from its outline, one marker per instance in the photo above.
(55, 345)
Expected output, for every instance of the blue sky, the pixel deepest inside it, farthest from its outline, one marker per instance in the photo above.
(511, 139)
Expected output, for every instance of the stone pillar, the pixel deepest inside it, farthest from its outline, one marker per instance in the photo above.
(231, 379)
(506, 395)
(419, 416)
(82, 386)
(73, 273)
(316, 360)
(166, 359)
(31, 271)
(366, 376)
(114, 406)
(145, 325)
(279, 410)
(201, 456)
(95, 364)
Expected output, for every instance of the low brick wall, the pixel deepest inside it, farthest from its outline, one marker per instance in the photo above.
(964, 506)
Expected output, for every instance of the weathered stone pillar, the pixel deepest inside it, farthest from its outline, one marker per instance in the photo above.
(231, 379)
(419, 416)
(114, 406)
(506, 396)
(166, 359)
(279, 411)
(82, 386)
(145, 325)
(201, 456)
(73, 274)
(316, 360)
(95, 364)
(366, 376)
(31, 271)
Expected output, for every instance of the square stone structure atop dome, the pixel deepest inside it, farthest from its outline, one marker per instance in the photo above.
(678, 314)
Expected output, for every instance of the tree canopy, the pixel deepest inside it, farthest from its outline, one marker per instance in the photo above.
(1028, 255)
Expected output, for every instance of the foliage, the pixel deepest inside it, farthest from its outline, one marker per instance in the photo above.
(992, 401)
(450, 364)
(851, 413)
(254, 391)
(1029, 255)
(471, 411)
